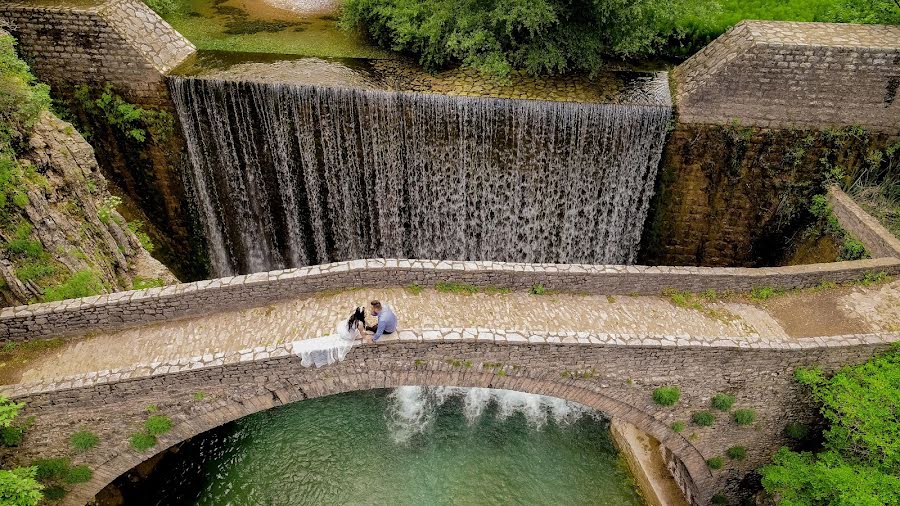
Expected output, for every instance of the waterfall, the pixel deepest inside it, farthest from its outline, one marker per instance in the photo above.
(285, 175)
(413, 409)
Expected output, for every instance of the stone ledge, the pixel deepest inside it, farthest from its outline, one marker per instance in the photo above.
(879, 241)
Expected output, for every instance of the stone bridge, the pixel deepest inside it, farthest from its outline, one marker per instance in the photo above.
(589, 338)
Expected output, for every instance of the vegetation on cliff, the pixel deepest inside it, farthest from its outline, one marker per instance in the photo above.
(556, 36)
(56, 243)
(859, 462)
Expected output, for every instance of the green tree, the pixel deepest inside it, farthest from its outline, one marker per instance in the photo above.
(19, 487)
(860, 461)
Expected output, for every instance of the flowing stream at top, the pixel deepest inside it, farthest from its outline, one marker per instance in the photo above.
(285, 175)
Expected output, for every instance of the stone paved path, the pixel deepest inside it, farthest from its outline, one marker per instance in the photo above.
(837, 311)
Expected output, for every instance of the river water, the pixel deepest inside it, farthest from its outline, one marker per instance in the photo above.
(409, 446)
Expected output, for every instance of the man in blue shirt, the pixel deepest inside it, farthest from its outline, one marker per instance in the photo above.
(387, 320)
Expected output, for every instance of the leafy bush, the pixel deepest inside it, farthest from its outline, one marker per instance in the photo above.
(80, 284)
(736, 453)
(135, 123)
(861, 450)
(84, 440)
(158, 424)
(666, 396)
(723, 402)
(162, 7)
(744, 416)
(18, 487)
(498, 36)
(9, 410)
(703, 418)
(12, 436)
(108, 207)
(715, 463)
(137, 228)
(142, 441)
(853, 249)
(79, 474)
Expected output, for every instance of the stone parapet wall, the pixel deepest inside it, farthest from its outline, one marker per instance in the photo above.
(783, 74)
(138, 307)
(879, 241)
(122, 42)
(615, 379)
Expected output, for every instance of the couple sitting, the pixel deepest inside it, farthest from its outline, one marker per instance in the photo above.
(387, 322)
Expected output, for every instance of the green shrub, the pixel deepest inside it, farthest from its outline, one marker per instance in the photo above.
(715, 463)
(162, 7)
(703, 418)
(107, 208)
(18, 487)
(723, 402)
(54, 492)
(538, 289)
(12, 436)
(137, 228)
(80, 284)
(678, 426)
(796, 431)
(142, 441)
(666, 396)
(134, 123)
(736, 453)
(820, 208)
(84, 440)
(853, 249)
(79, 474)
(34, 271)
(158, 424)
(719, 499)
(9, 410)
(744, 416)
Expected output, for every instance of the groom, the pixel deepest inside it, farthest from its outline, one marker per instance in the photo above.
(387, 321)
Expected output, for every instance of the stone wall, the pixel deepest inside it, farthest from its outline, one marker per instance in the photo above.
(783, 74)
(730, 195)
(879, 241)
(615, 379)
(121, 42)
(124, 309)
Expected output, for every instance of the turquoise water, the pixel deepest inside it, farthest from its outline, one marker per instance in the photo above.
(412, 446)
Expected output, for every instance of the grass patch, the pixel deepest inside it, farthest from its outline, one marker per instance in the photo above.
(764, 293)
(538, 289)
(80, 284)
(678, 426)
(141, 283)
(703, 418)
(736, 453)
(84, 440)
(158, 424)
(457, 288)
(79, 474)
(666, 396)
(744, 416)
(723, 402)
(414, 289)
(199, 396)
(715, 463)
(141, 441)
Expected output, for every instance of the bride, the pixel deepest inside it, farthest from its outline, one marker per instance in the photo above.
(334, 347)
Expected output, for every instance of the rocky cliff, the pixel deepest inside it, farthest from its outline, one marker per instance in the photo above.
(68, 239)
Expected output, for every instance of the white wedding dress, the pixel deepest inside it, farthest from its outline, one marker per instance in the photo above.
(328, 349)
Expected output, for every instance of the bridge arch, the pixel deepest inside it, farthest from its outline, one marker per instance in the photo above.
(368, 367)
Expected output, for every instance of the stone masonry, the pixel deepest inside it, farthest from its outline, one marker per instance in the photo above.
(121, 42)
(617, 379)
(879, 241)
(784, 74)
(138, 307)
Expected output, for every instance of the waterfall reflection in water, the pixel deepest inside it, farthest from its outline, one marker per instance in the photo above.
(411, 446)
(286, 175)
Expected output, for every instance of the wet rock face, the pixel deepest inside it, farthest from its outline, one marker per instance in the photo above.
(70, 212)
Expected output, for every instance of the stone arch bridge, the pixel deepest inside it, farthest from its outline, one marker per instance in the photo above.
(600, 364)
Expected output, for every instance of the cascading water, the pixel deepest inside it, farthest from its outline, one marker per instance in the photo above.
(285, 175)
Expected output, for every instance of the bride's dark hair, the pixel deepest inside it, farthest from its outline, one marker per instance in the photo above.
(358, 316)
